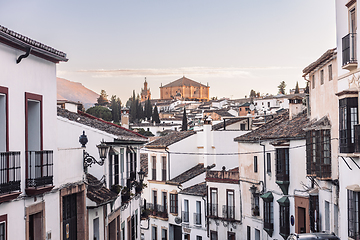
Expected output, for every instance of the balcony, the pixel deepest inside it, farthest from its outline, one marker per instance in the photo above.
(228, 212)
(223, 176)
(157, 210)
(10, 176)
(197, 218)
(349, 52)
(39, 172)
(213, 210)
(185, 217)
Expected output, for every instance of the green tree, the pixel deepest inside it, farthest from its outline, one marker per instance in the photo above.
(297, 87)
(155, 115)
(282, 87)
(115, 108)
(133, 108)
(145, 133)
(148, 109)
(307, 88)
(184, 126)
(102, 99)
(100, 112)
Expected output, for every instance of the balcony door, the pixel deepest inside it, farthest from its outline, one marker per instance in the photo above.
(69, 217)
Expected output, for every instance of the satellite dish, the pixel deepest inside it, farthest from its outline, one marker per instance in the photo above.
(252, 107)
(177, 220)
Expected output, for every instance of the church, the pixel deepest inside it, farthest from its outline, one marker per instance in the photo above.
(185, 89)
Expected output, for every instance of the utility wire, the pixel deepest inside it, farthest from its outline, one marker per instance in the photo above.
(229, 154)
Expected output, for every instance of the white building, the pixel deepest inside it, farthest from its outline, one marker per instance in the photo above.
(115, 213)
(33, 187)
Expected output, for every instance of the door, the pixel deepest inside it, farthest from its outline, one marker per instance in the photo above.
(301, 220)
(36, 226)
(69, 217)
(96, 228)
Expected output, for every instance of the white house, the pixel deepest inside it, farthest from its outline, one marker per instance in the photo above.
(32, 184)
(113, 184)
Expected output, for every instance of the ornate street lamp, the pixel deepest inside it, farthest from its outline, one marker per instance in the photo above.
(141, 175)
(87, 158)
(253, 189)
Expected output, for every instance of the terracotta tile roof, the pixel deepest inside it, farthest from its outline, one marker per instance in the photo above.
(8, 36)
(97, 192)
(196, 190)
(183, 82)
(169, 139)
(220, 112)
(326, 56)
(189, 174)
(278, 128)
(144, 163)
(122, 134)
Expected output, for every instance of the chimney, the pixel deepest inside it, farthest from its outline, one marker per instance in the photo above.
(125, 117)
(296, 106)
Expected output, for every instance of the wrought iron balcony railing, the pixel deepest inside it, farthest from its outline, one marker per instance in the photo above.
(10, 174)
(185, 216)
(349, 49)
(157, 210)
(213, 210)
(228, 212)
(39, 170)
(197, 218)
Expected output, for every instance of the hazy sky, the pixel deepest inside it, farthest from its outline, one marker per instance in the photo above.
(235, 46)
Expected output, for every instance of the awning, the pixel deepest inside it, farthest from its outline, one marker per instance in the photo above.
(354, 188)
(268, 196)
(284, 201)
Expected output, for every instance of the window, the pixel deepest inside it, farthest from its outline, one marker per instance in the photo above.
(229, 212)
(282, 164)
(131, 163)
(231, 236)
(242, 127)
(114, 169)
(3, 227)
(330, 72)
(255, 164)
(348, 117)
(197, 214)
(268, 213)
(163, 168)
(213, 202)
(321, 77)
(122, 166)
(318, 153)
(213, 235)
(163, 234)
(154, 168)
(248, 233)
(198, 237)
(353, 214)
(284, 220)
(174, 203)
(268, 104)
(4, 135)
(255, 208)
(154, 233)
(268, 162)
(313, 81)
(164, 199)
(123, 230)
(314, 213)
(185, 214)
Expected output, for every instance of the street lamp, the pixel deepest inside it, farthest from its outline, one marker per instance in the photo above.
(87, 158)
(253, 189)
(141, 175)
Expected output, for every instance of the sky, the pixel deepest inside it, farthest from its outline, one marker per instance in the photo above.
(233, 45)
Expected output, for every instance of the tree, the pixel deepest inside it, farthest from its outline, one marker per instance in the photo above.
(184, 126)
(145, 133)
(148, 109)
(282, 87)
(133, 106)
(307, 88)
(297, 87)
(102, 99)
(100, 112)
(252, 93)
(155, 115)
(115, 108)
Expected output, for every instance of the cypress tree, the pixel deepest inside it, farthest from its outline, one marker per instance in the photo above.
(155, 115)
(184, 126)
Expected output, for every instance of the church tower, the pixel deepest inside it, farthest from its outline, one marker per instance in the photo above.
(145, 92)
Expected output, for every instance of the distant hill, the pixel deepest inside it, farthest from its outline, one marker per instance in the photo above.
(76, 92)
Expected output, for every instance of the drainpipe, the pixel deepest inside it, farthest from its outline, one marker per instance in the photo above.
(264, 165)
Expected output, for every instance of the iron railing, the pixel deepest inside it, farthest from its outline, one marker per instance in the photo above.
(39, 168)
(349, 49)
(185, 216)
(197, 218)
(157, 210)
(228, 212)
(10, 174)
(213, 210)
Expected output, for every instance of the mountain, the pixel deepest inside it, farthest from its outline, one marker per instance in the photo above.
(75, 92)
